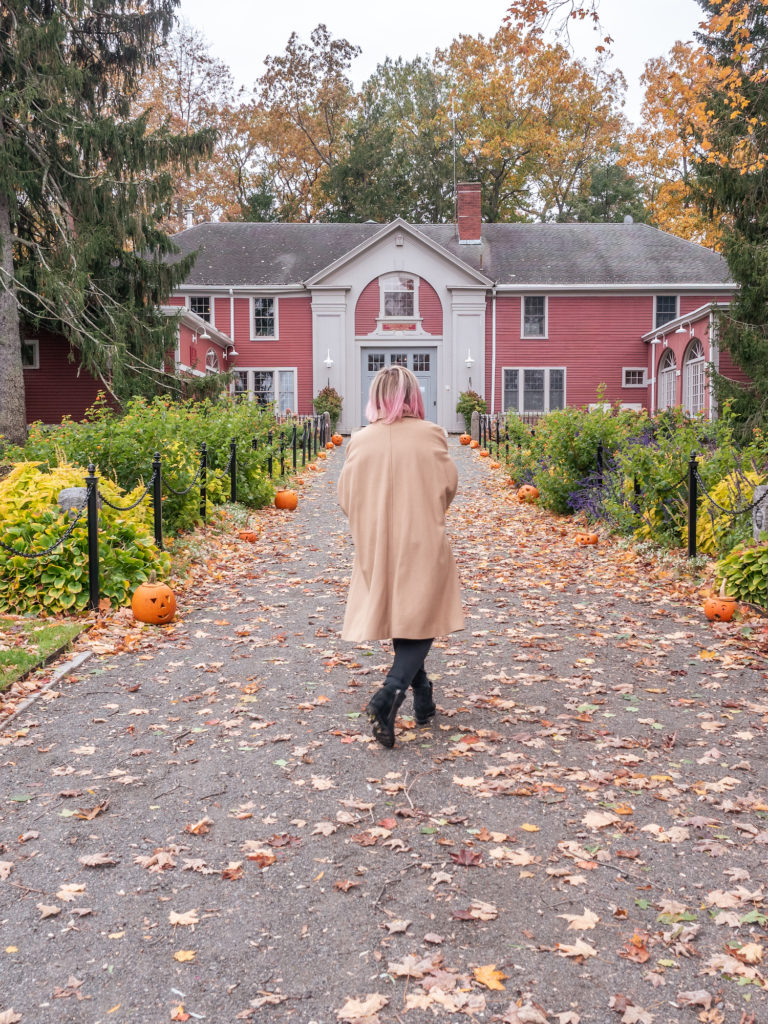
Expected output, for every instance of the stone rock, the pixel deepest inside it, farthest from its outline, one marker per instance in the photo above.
(72, 498)
(760, 511)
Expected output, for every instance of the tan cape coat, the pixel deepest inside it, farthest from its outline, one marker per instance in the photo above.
(396, 484)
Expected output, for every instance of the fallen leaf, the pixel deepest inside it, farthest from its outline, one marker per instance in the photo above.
(698, 998)
(490, 977)
(6, 867)
(47, 911)
(67, 893)
(581, 922)
(579, 948)
(397, 927)
(9, 1016)
(188, 918)
(97, 860)
(184, 956)
(467, 858)
(364, 1010)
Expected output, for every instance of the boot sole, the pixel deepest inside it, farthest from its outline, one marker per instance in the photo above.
(380, 728)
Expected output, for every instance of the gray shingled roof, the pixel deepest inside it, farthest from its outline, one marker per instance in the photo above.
(271, 255)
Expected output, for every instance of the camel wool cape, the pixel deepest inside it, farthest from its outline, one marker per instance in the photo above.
(395, 487)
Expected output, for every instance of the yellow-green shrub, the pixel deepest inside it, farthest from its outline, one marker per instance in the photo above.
(712, 526)
(31, 521)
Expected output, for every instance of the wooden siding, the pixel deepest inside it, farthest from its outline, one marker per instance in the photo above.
(367, 309)
(292, 348)
(430, 309)
(57, 389)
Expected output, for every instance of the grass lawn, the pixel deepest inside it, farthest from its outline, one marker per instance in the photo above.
(26, 644)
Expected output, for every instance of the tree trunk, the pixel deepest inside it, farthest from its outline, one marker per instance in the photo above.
(13, 420)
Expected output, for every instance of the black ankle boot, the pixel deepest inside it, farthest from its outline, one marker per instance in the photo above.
(423, 705)
(382, 711)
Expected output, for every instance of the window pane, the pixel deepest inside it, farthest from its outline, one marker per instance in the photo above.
(286, 391)
(556, 389)
(421, 362)
(398, 359)
(201, 305)
(398, 304)
(511, 378)
(29, 355)
(634, 378)
(666, 309)
(211, 361)
(533, 390)
(264, 386)
(534, 316)
(264, 318)
(375, 361)
(241, 382)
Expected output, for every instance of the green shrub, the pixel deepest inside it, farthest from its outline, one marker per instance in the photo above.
(30, 521)
(469, 402)
(330, 401)
(745, 571)
(122, 447)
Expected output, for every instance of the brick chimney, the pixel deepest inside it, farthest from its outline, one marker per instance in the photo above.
(468, 202)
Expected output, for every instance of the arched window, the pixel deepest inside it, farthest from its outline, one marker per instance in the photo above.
(667, 380)
(211, 361)
(694, 378)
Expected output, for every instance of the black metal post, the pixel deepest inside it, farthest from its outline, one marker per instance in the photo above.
(315, 432)
(93, 537)
(293, 443)
(157, 499)
(282, 454)
(203, 480)
(233, 469)
(692, 503)
(269, 456)
(600, 464)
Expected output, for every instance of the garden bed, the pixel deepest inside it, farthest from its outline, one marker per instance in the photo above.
(28, 643)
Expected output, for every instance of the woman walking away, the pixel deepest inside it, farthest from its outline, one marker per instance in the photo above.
(396, 484)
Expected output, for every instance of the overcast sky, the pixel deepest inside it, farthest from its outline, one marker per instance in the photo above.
(242, 35)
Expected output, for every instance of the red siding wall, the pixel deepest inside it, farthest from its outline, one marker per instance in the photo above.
(221, 315)
(293, 347)
(193, 350)
(367, 309)
(55, 389)
(593, 337)
(176, 300)
(430, 309)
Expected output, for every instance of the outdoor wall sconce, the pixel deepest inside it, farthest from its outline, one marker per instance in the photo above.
(469, 361)
(328, 361)
(683, 328)
(205, 336)
(232, 353)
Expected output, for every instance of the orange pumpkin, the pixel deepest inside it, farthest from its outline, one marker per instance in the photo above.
(285, 498)
(330, 445)
(494, 465)
(464, 438)
(337, 439)
(585, 538)
(720, 607)
(474, 444)
(322, 455)
(528, 493)
(248, 535)
(153, 602)
(483, 453)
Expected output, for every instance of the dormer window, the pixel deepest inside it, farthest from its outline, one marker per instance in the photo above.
(398, 296)
(201, 305)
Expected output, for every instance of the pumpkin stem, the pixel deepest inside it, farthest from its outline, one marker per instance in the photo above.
(722, 588)
(153, 577)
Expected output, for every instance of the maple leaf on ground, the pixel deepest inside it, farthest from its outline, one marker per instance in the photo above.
(363, 1011)
(98, 860)
(189, 917)
(160, 860)
(6, 866)
(581, 922)
(47, 911)
(322, 782)
(233, 871)
(467, 858)
(412, 967)
(527, 1014)
(579, 948)
(488, 976)
(199, 828)
(184, 956)
(698, 998)
(397, 927)
(635, 949)
(9, 1016)
(344, 885)
(89, 813)
(325, 828)
(67, 893)
(599, 819)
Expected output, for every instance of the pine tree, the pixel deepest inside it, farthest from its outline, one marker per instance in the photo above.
(82, 188)
(733, 185)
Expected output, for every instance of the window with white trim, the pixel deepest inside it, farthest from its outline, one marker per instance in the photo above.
(201, 306)
(634, 377)
(694, 378)
(668, 380)
(212, 361)
(399, 296)
(665, 310)
(30, 354)
(534, 316)
(264, 316)
(534, 389)
(267, 386)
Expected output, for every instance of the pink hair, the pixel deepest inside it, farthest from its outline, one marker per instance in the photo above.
(394, 393)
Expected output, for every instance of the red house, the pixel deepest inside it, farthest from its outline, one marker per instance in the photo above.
(533, 316)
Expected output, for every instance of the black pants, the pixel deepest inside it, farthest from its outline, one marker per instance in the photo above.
(409, 660)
